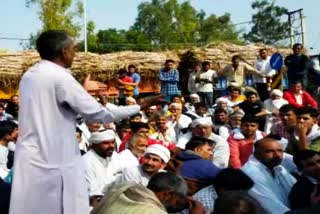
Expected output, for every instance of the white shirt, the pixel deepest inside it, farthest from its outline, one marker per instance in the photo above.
(270, 191)
(264, 68)
(168, 137)
(50, 100)
(101, 173)
(3, 161)
(221, 151)
(208, 75)
(192, 85)
(135, 175)
(182, 123)
(128, 159)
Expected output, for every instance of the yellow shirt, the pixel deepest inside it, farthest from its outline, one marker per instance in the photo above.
(237, 75)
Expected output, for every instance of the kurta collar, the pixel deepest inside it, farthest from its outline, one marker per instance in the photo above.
(104, 161)
(49, 63)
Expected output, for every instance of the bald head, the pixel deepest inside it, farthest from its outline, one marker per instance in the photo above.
(269, 152)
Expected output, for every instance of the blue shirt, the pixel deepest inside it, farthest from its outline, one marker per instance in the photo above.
(169, 82)
(136, 79)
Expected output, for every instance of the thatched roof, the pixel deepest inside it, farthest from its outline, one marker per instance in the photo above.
(104, 67)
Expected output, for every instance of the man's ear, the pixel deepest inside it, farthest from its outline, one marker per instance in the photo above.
(63, 53)
(197, 149)
(163, 165)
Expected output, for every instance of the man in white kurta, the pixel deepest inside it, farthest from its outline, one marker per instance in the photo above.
(48, 170)
(272, 182)
(103, 166)
(155, 159)
(202, 127)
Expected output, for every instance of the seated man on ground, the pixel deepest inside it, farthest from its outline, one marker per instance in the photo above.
(203, 127)
(272, 182)
(165, 193)
(227, 180)
(198, 152)
(307, 187)
(137, 145)
(155, 159)
(241, 141)
(102, 164)
(286, 126)
(307, 131)
(221, 123)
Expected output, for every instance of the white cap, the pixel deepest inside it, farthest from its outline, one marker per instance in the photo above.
(160, 150)
(276, 92)
(224, 100)
(98, 137)
(204, 121)
(131, 99)
(153, 107)
(194, 96)
(175, 105)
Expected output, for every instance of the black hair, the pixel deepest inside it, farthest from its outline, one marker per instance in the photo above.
(303, 155)
(122, 71)
(205, 63)
(136, 115)
(50, 43)
(124, 124)
(195, 142)
(169, 61)
(234, 57)
(307, 110)
(250, 119)
(232, 179)
(262, 49)
(131, 66)
(249, 93)
(135, 126)
(297, 44)
(287, 108)
(6, 128)
(174, 96)
(220, 110)
(237, 202)
(199, 105)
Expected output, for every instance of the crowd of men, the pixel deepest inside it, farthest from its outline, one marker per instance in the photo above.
(244, 149)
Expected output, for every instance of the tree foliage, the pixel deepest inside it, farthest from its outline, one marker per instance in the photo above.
(171, 24)
(267, 25)
(57, 14)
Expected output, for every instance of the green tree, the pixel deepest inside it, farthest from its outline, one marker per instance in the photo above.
(215, 28)
(267, 25)
(57, 14)
(167, 22)
(170, 24)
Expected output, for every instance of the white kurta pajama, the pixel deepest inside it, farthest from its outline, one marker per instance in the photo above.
(101, 173)
(270, 191)
(48, 170)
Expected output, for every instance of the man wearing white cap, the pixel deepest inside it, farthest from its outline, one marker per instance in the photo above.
(177, 120)
(102, 163)
(155, 159)
(202, 127)
(272, 106)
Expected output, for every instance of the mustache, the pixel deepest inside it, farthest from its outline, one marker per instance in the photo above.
(147, 165)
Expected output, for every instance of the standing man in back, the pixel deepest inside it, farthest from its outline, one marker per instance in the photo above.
(48, 170)
(169, 78)
(296, 64)
(205, 81)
